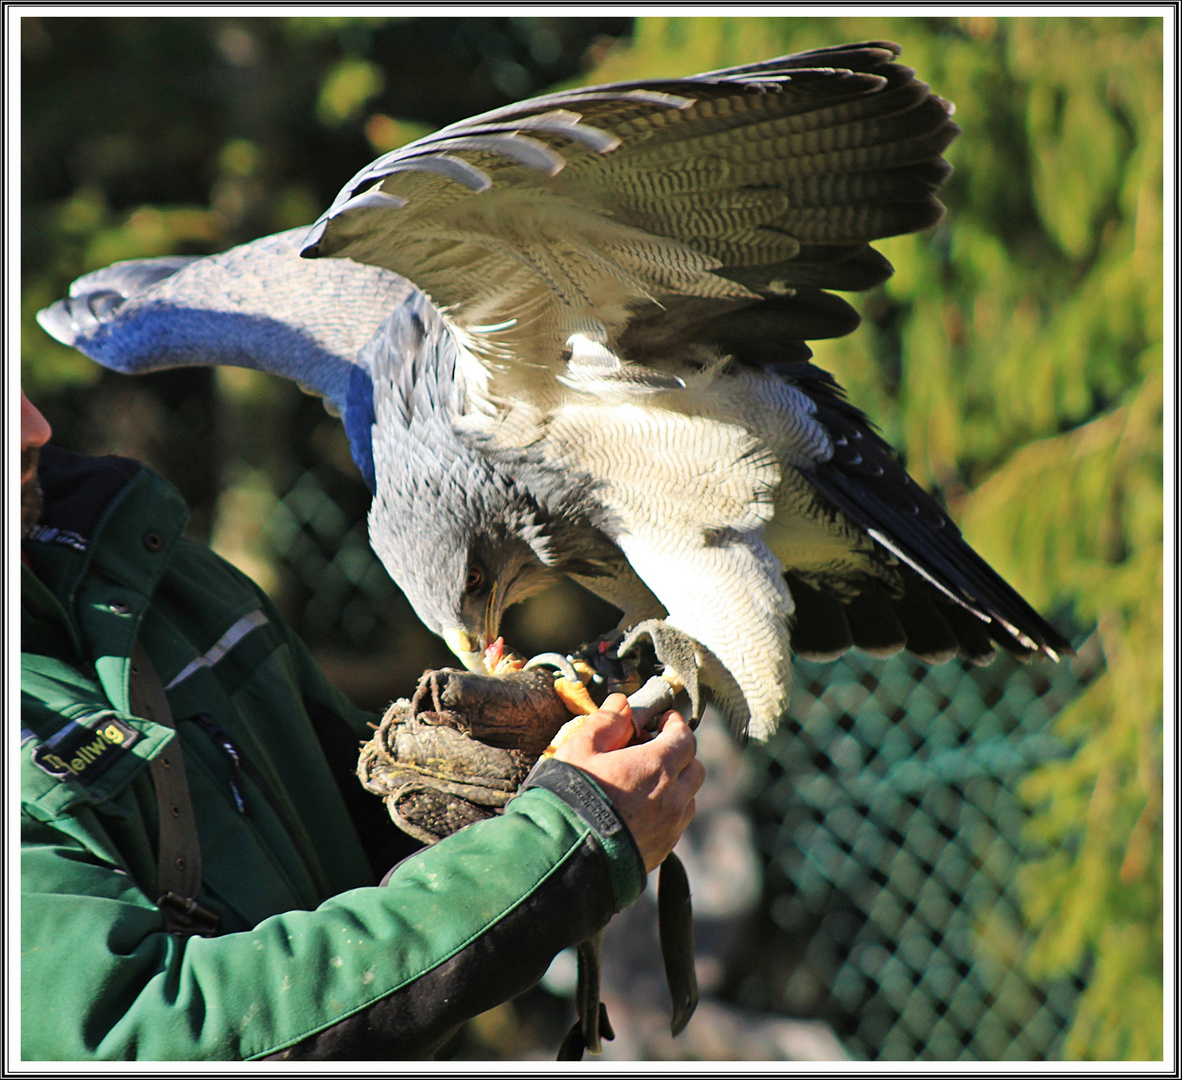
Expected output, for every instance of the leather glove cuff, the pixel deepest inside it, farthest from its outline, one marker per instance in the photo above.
(580, 792)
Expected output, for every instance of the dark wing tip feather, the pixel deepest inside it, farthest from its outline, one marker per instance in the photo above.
(807, 315)
(865, 481)
(827, 622)
(820, 627)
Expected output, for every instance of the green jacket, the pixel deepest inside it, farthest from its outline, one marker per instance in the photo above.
(312, 958)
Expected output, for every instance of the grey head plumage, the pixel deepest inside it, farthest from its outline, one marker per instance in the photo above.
(463, 537)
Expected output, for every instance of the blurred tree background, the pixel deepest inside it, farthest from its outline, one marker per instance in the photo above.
(1016, 357)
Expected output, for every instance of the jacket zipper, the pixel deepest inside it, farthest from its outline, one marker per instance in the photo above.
(242, 765)
(220, 736)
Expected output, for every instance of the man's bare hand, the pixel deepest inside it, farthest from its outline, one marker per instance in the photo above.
(651, 783)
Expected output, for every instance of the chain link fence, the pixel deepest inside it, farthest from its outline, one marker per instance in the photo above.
(345, 596)
(887, 814)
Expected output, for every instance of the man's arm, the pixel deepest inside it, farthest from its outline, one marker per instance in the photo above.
(375, 972)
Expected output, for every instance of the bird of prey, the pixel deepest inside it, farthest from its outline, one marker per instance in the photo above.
(568, 337)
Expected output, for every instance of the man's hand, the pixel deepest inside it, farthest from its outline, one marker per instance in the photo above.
(651, 783)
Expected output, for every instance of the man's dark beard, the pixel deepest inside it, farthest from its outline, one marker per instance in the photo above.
(30, 489)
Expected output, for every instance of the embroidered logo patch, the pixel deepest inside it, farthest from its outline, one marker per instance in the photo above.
(84, 751)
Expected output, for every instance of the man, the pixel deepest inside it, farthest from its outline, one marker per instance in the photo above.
(285, 946)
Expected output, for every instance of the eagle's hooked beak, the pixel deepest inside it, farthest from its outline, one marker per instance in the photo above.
(472, 652)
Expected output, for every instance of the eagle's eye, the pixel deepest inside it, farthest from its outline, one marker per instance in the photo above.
(476, 579)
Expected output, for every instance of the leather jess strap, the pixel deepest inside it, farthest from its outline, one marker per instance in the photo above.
(178, 880)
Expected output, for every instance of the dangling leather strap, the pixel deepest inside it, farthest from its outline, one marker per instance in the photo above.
(178, 878)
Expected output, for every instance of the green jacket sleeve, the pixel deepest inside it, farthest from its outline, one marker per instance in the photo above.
(380, 972)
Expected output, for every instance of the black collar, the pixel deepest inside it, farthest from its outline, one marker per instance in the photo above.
(76, 489)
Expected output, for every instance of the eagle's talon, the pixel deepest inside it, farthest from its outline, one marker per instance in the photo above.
(560, 663)
(676, 650)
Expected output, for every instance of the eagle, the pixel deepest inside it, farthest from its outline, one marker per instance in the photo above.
(568, 338)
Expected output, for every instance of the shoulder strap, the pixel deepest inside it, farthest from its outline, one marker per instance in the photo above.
(179, 867)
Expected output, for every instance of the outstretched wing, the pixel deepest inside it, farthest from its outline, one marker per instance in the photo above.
(545, 230)
(257, 306)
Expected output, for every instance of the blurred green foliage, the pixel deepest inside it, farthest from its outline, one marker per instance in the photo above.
(1015, 357)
